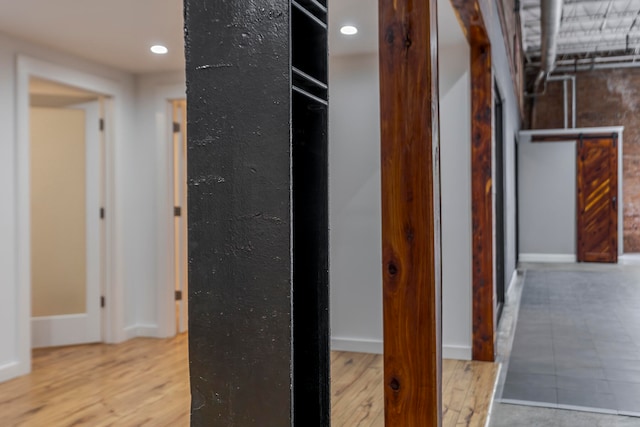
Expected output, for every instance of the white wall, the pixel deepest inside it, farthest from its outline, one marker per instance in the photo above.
(547, 181)
(354, 203)
(455, 180)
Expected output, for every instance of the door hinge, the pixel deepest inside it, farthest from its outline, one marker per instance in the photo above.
(101, 124)
(176, 127)
(177, 211)
(101, 213)
(178, 295)
(102, 303)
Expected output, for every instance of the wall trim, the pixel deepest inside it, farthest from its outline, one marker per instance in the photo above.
(12, 370)
(130, 332)
(553, 258)
(514, 277)
(165, 298)
(147, 331)
(629, 259)
(65, 329)
(456, 352)
(142, 330)
(357, 345)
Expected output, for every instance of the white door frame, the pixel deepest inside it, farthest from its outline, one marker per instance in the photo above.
(166, 303)
(180, 246)
(113, 315)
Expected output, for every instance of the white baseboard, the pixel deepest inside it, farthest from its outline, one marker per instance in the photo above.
(551, 258)
(134, 331)
(514, 277)
(11, 370)
(67, 329)
(629, 259)
(148, 331)
(457, 352)
(356, 345)
(130, 332)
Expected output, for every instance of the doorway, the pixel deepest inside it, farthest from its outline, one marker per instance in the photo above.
(179, 112)
(597, 191)
(110, 318)
(66, 193)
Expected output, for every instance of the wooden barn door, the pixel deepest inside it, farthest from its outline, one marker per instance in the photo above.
(597, 168)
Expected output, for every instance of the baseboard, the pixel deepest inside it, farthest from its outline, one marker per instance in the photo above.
(514, 277)
(11, 370)
(134, 331)
(457, 352)
(551, 258)
(67, 329)
(629, 259)
(356, 345)
(147, 331)
(130, 332)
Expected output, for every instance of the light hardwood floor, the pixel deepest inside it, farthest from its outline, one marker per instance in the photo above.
(144, 382)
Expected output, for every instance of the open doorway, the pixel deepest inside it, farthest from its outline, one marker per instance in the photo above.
(179, 112)
(67, 192)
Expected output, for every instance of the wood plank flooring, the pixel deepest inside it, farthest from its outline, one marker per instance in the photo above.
(144, 382)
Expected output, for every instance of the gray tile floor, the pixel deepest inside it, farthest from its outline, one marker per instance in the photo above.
(577, 342)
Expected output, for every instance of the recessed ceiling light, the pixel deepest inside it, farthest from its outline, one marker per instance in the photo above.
(349, 30)
(159, 49)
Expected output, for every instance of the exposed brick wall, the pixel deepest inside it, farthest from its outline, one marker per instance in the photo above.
(605, 98)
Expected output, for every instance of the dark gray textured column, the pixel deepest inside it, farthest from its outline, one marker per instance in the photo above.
(257, 184)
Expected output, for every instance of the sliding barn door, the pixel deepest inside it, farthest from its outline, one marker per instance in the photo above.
(597, 200)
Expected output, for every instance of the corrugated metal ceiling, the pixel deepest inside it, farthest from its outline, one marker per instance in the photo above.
(590, 29)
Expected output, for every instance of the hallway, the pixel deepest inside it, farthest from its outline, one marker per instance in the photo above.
(576, 347)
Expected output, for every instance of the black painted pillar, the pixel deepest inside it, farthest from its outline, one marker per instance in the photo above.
(258, 212)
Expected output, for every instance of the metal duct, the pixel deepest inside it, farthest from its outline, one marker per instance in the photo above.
(550, 17)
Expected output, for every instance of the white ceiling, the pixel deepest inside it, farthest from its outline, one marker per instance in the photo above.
(113, 32)
(363, 14)
(119, 33)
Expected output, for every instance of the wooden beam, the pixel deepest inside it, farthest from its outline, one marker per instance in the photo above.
(570, 137)
(471, 21)
(470, 17)
(410, 212)
(482, 204)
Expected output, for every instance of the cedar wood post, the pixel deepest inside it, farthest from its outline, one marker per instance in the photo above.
(410, 212)
(470, 16)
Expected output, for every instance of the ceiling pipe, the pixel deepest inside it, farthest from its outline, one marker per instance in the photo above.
(550, 17)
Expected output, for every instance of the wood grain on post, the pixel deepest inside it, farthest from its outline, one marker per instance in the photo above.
(410, 212)
(470, 17)
(482, 204)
